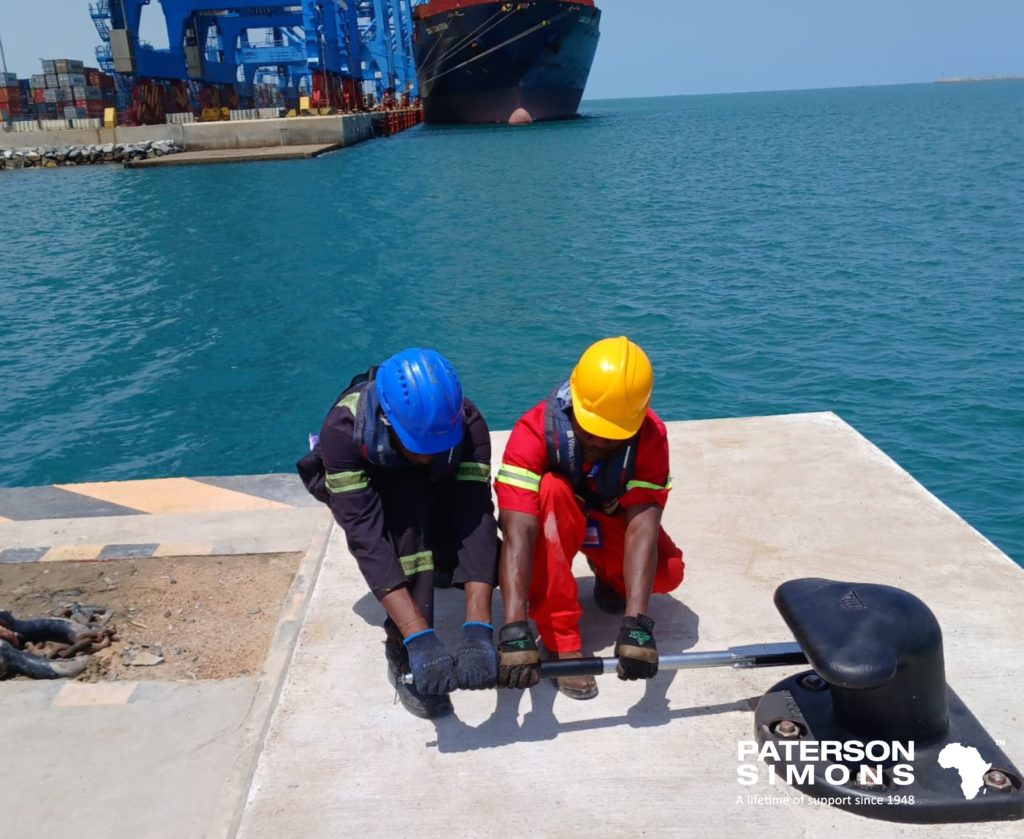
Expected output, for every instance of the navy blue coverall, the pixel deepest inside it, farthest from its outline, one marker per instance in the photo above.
(403, 522)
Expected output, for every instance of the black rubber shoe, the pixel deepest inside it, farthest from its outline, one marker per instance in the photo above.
(418, 704)
(608, 599)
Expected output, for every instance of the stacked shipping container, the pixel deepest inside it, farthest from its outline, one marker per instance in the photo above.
(67, 89)
(11, 102)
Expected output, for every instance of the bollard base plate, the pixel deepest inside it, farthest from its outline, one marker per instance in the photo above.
(965, 777)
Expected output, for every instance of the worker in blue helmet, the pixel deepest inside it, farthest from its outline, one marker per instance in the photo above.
(404, 462)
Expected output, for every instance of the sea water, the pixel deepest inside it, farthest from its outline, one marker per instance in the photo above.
(857, 250)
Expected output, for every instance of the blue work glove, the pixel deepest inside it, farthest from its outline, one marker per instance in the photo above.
(477, 657)
(433, 668)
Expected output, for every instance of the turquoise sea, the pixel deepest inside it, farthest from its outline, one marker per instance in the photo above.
(854, 250)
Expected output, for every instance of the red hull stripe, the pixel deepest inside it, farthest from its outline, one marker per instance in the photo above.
(436, 7)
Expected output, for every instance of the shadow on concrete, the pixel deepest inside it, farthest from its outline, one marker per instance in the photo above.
(369, 609)
(449, 612)
(676, 630)
(503, 727)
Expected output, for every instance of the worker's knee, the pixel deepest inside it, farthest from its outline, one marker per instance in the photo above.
(670, 573)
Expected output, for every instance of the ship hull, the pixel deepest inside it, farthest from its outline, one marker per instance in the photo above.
(487, 62)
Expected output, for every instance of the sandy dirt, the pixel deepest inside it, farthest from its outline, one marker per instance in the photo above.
(210, 617)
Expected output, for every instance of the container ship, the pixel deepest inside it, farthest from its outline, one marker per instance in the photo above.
(481, 61)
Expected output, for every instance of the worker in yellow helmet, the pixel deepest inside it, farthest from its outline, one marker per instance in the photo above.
(585, 470)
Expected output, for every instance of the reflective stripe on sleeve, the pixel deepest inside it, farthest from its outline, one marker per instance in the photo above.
(645, 485)
(339, 482)
(518, 477)
(415, 563)
(350, 401)
(474, 472)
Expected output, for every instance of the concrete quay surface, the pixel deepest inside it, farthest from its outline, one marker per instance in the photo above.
(191, 158)
(147, 758)
(316, 746)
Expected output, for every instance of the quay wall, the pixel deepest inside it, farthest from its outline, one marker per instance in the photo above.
(346, 130)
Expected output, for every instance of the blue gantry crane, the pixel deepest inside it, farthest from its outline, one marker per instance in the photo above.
(336, 51)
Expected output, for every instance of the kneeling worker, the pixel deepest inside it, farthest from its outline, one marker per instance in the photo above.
(586, 469)
(407, 462)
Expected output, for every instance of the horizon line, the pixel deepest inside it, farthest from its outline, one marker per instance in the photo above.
(941, 80)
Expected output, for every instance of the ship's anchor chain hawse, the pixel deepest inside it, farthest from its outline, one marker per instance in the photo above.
(54, 647)
(466, 40)
(502, 45)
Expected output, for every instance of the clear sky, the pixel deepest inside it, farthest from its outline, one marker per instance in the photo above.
(663, 47)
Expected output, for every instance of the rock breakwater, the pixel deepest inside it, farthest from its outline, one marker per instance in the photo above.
(52, 157)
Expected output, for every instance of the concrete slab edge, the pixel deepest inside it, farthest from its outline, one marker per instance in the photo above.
(871, 450)
(234, 792)
(241, 155)
(926, 493)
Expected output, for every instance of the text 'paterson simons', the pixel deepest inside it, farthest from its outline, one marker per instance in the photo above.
(806, 761)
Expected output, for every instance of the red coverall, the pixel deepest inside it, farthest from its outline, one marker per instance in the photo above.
(525, 484)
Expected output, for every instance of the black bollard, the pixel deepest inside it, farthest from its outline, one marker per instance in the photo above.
(883, 661)
(879, 678)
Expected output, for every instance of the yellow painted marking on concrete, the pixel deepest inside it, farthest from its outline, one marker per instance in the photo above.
(292, 610)
(82, 694)
(173, 495)
(184, 549)
(71, 553)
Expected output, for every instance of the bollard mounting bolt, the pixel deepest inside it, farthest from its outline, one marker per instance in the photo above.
(787, 729)
(868, 779)
(998, 780)
(812, 681)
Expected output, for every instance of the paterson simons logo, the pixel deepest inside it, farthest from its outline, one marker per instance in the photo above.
(876, 762)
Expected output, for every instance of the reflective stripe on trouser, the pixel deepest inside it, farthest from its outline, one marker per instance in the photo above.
(429, 525)
(554, 596)
(406, 512)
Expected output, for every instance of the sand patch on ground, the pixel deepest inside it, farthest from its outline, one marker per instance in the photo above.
(212, 617)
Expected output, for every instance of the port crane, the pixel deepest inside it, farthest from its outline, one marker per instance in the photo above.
(342, 53)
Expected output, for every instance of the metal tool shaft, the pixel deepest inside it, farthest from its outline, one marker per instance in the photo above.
(753, 655)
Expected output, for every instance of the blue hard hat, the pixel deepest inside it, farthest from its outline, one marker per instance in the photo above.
(421, 395)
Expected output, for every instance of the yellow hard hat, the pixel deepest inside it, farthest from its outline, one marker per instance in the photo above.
(611, 388)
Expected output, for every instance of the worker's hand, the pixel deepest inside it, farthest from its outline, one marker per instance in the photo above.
(476, 660)
(636, 649)
(518, 656)
(433, 668)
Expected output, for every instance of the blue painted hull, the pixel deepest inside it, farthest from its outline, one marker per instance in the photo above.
(482, 63)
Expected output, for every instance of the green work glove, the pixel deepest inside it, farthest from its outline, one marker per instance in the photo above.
(518, 656)
(636, 649)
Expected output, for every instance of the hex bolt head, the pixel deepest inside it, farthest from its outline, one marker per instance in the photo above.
(868, 779)
(812, 681)
(786, 728)
(997, 779)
